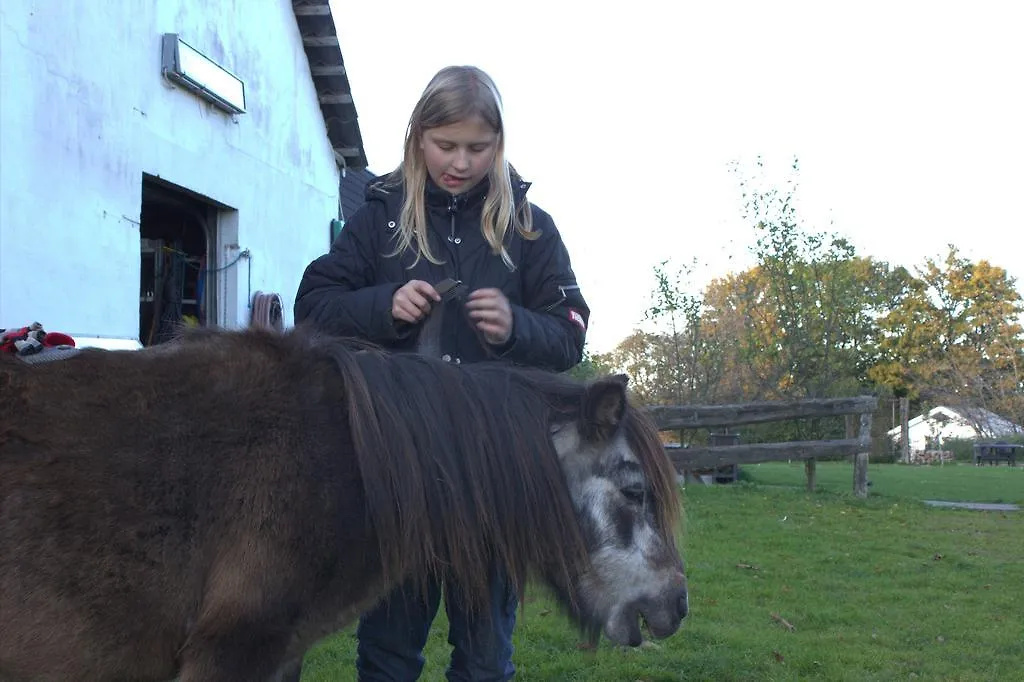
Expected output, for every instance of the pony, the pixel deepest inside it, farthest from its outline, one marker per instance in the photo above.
(211, 507)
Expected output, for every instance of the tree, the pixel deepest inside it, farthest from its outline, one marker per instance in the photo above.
(645, 357)
(734, 315)
(590, 367)
(808, 305)
(677, 362)
(694, 357)
(955, 337)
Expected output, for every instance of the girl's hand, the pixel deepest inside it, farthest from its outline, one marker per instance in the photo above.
(491, 313)
(413, 301)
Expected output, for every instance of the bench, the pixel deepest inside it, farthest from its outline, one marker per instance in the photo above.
(993, 453)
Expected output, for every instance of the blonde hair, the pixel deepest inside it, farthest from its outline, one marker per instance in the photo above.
(455, 94)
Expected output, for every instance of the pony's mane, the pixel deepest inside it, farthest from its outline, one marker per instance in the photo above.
(458, 467)
(457, 463)
(645, 441)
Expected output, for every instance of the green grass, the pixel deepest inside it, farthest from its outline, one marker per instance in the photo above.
(953, 482)
(878, 589)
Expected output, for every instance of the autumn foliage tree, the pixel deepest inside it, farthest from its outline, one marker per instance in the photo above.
(646, 358)
(955, 337)
(815, 319)
(674, 361)
(809, 304)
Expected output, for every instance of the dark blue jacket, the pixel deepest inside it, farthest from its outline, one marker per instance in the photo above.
(348, 291)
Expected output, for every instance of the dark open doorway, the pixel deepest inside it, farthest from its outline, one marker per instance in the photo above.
(176, 287)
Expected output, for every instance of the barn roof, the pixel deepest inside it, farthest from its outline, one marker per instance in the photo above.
(327, 68)
(989, 422)
(353, 190)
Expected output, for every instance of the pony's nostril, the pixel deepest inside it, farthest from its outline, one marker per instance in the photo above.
(683, 605)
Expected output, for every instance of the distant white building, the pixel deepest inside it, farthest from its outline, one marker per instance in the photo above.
(929, 431)
(161, 162)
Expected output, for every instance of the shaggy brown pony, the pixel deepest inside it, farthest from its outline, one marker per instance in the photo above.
(211, 507)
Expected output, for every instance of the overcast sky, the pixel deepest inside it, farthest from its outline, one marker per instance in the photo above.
(907, 118)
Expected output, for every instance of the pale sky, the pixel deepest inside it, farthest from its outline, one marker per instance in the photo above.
(907, 118)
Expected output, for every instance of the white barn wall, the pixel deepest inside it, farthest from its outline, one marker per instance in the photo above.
(85, 112)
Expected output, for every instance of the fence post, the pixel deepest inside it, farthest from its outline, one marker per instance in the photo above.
(687, 474)
(860, 460)
(905, 430)
(811, 467)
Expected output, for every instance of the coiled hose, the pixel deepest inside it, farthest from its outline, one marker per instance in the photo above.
(267, 312)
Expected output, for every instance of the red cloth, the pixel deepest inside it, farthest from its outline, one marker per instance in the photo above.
(9, 338)
(58, 339)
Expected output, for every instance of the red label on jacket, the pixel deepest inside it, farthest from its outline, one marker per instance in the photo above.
(577, 319)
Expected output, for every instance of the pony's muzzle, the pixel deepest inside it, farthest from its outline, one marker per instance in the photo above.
(664, 618)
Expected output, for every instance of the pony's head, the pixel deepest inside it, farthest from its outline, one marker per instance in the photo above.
(482, 465)
(624, 491)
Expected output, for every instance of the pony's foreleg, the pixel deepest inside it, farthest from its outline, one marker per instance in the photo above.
(239, 652)
(244, 623)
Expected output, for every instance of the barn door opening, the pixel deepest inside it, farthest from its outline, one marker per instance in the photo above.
(177, 239)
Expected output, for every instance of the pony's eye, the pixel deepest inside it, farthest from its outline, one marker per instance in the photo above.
(633, 493)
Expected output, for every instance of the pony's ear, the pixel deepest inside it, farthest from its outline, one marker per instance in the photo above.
(604, 406)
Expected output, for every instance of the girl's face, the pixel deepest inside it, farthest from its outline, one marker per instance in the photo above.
(458, 156)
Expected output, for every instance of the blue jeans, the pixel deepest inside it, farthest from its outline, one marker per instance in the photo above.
(392, 636)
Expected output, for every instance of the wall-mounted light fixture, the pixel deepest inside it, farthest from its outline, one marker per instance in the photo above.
(190, 68)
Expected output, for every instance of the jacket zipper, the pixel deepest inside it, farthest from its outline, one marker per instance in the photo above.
(453, 208)
(453, 249)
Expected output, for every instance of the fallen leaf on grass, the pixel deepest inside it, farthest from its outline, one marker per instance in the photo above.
(936, 557)
(782, 621)
(544, 612)
(751, 567)
(778, 656)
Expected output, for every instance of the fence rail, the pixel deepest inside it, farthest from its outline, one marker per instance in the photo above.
(669, 417)
(674, 417)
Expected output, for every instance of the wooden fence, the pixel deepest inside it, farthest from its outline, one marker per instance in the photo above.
(856, 444)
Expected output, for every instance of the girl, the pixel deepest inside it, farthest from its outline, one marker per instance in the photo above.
(455, 210)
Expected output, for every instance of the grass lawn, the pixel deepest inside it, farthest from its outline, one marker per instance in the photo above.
(878, 589)
(953, 482)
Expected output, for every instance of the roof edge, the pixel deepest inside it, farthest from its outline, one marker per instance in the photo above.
(327, 69)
